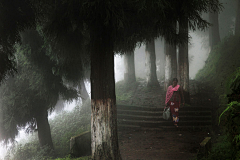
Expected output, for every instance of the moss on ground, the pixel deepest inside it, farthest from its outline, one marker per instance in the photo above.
(125, 91)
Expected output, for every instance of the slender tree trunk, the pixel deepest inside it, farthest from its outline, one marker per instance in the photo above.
(83, 92)
(237, 23)
(162, 66)
(183, 62)
(151, 64)
(129, 75)
(171, 64)
(214, 35)
(103, 99)
(44, 132)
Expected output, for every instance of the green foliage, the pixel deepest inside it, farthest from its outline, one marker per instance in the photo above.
(221, 150)
(220, 65)
(68, 124)
(29, 151)
(64, 126)
(32, 91)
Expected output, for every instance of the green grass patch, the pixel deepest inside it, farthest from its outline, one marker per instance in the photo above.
(125, 91)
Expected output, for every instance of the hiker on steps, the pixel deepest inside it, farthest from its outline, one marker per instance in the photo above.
(173, 100)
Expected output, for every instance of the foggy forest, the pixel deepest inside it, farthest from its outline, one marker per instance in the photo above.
(120, 80)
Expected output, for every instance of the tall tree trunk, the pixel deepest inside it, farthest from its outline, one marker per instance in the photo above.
(171, 64)
(162, 65)
(183, 61)
(129, 75)
(83, 92)
(237, 23)
(103, 99)
(44, 132)
(214, 35)
(151, 64)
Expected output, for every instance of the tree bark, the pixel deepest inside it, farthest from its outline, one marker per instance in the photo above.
(214, 35)
(129, 75)
(162, 65)
(184, 62)
(103, 99)
(171, 64)
(237, 23)
(151, 64)
(43, 127)
(83, 92)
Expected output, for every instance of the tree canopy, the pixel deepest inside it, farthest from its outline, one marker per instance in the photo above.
(33, 89)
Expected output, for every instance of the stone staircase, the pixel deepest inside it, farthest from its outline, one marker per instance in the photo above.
(150, 118)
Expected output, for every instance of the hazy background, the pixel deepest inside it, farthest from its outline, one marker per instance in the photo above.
(198, 53)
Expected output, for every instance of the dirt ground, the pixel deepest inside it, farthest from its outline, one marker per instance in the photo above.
(160, 145)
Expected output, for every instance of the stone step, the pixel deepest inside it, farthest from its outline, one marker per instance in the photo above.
(157, 124)
(159, 113)
(150, 108)
(159, 118)
(162, 128)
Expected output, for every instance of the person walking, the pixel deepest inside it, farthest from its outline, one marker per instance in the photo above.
(174, 97)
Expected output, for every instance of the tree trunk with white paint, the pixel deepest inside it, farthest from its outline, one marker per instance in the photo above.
(151, 64)
(237, 23)
(184, 62)
(129, 75)
(103, 99)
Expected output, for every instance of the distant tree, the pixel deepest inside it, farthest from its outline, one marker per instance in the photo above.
(160, 59)
(129, 75)
(214, 34)
(151, 64)
(27, 97)
(184, 61)
(170, 63)
(237, 24)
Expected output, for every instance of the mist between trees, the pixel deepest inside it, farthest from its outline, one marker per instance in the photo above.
(57, 45)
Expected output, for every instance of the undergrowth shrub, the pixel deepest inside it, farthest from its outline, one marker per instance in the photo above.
(221, 150)
(64, 126)
(220, 65)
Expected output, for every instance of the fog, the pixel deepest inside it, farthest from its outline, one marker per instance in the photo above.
(198, 53)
